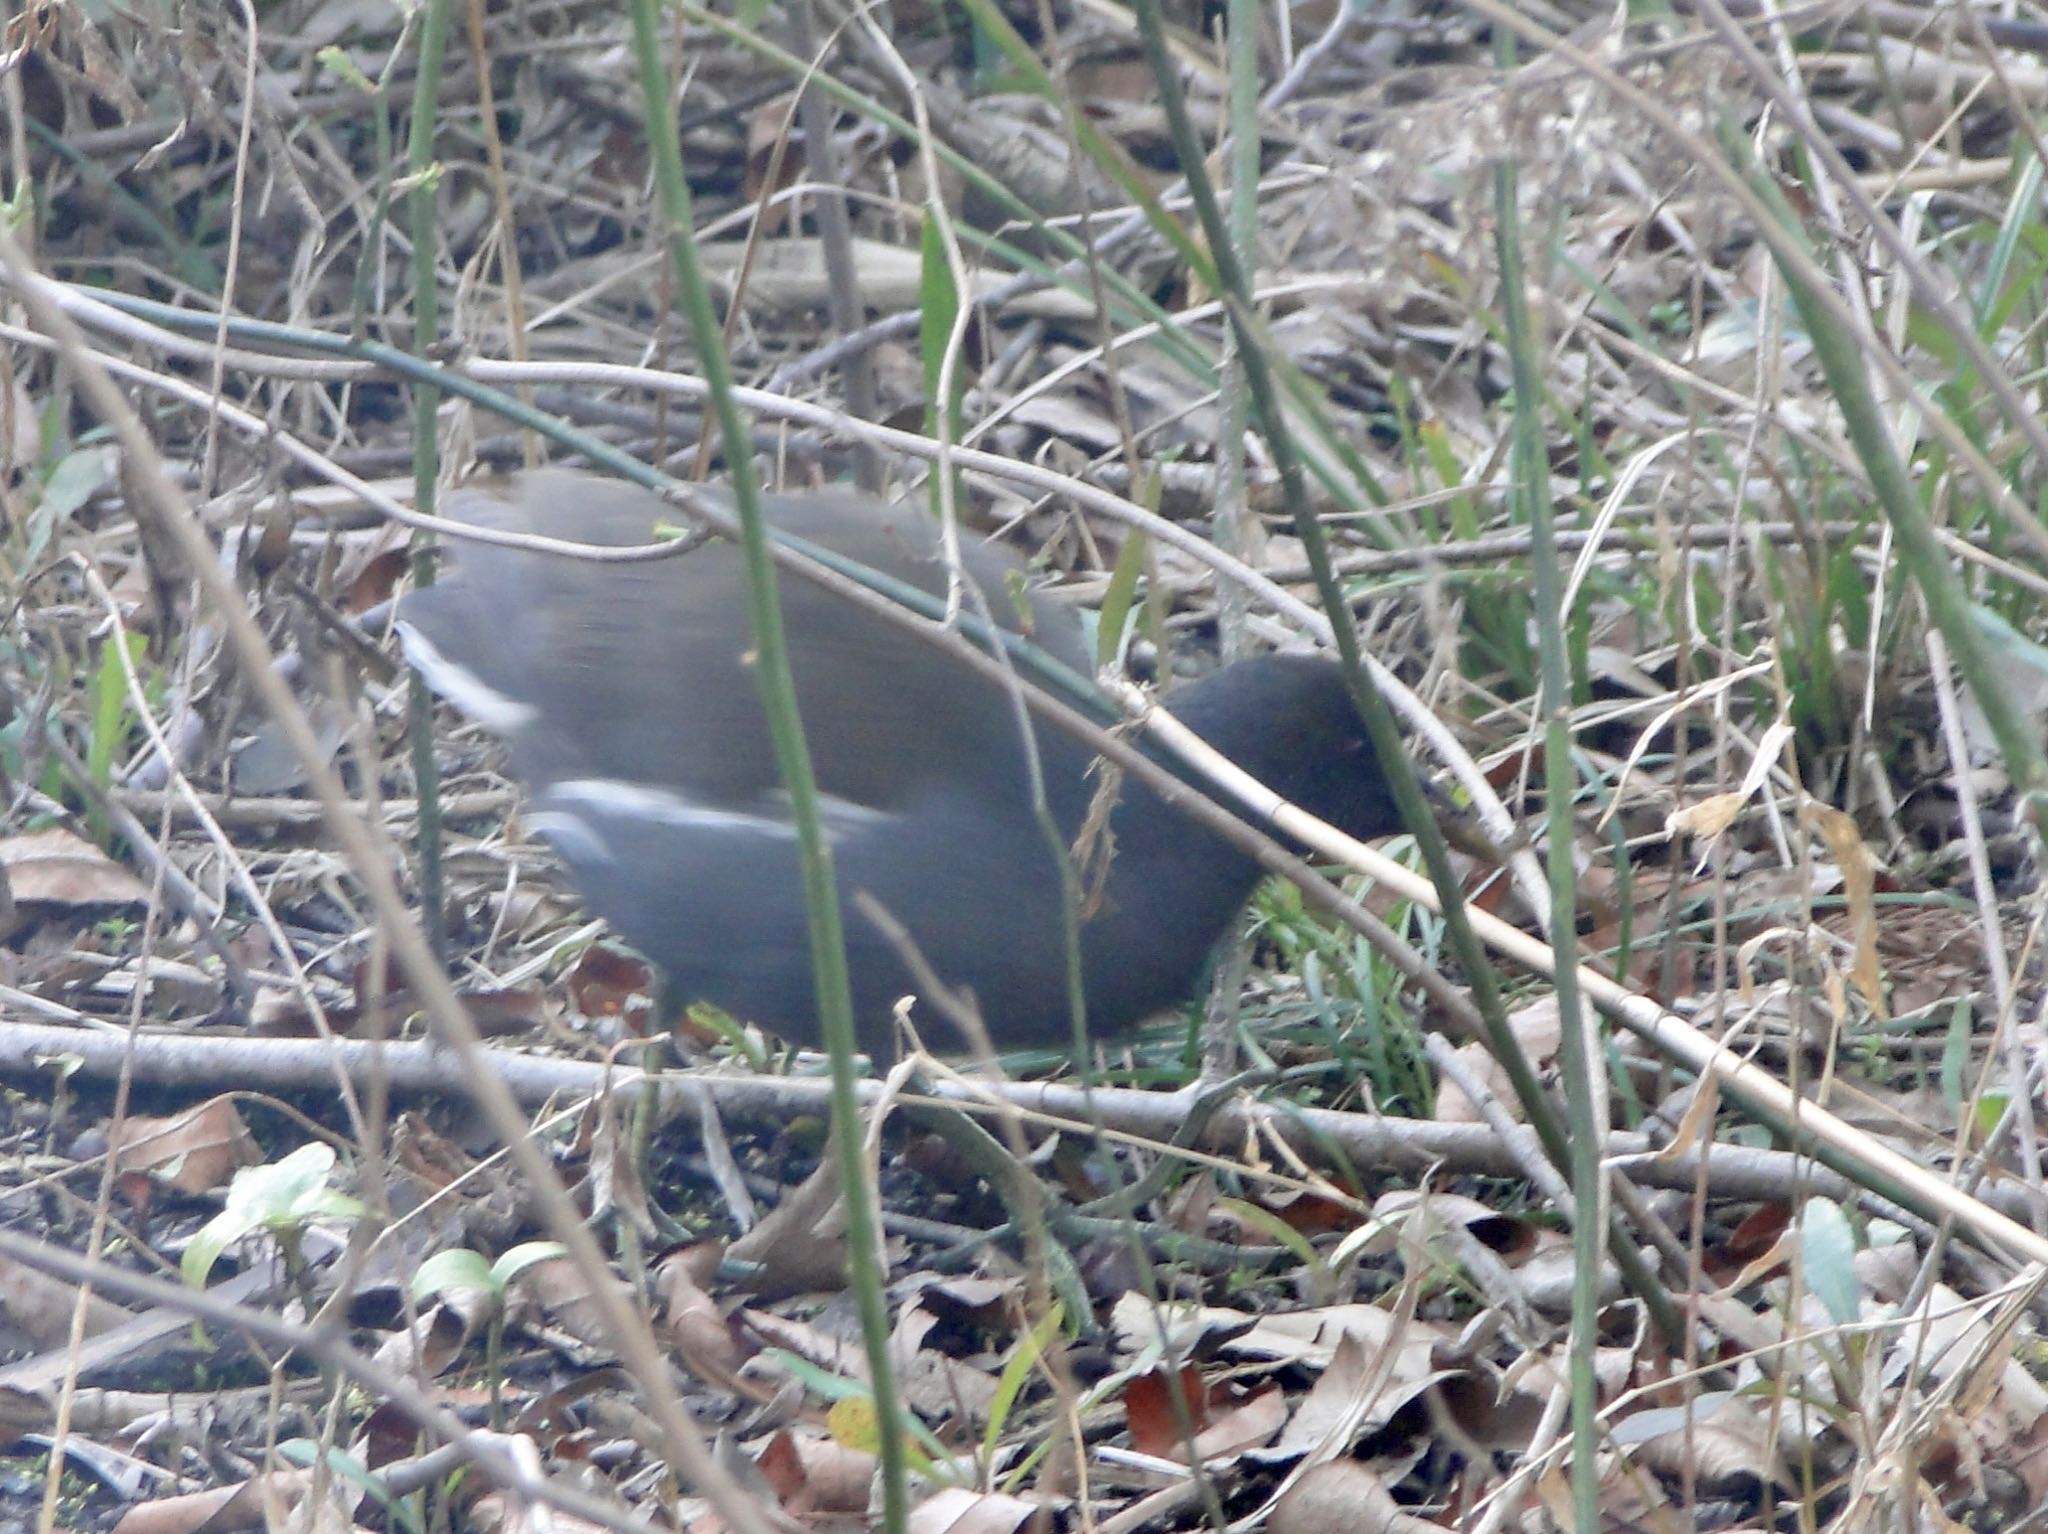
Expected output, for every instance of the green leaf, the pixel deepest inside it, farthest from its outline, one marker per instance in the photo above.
(110, 718)
(1990, 1109)
(457, 1269)
(1827, 1251)
(273, 1192)
(1274, 1226)
(1116, 602)
(279, 1195)
(938, 302)
(210, 1240)
(78, 476)
(2007, 640)
(518, 1259)
(1017, 1371)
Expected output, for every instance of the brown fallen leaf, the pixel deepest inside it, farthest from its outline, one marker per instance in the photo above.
(956, 1510)
(811, 1473)
(694, 1322)
(1158, 1425)
(801, 1245)
(1344, 1496)
(193, 1152)
(224, 1509)
(36, 1310)
(605, 981)
(563, 1293)
(56, 867)
(1243, 1422)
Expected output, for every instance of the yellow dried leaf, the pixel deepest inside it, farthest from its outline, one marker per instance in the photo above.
(1707, 819)
(1859, 882)
(852, 1424)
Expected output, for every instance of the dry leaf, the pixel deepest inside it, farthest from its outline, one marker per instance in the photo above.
(1706, 818)
(811, 1473)
(1540, 1033)
(1158, 1425)
(36, 1310)
(1859, 880)
(694, 1322)
(194, 1152)
(56, 867)
(1344, 1497)
(956, 1510)
(559, 1287)
(801, 1245)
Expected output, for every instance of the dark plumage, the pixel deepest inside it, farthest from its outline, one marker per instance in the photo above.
(625, 696)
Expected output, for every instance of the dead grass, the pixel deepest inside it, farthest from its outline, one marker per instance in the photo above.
(1790, 828)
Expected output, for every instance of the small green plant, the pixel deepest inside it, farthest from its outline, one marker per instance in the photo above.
(115, 931)
(113, 722)
(281, 1198)
(465, 1269)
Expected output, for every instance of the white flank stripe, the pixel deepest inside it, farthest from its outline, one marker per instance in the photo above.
(613, 797)
(462, 687)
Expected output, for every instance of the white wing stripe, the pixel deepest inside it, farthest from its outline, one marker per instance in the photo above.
(496, 712)
(570, 806)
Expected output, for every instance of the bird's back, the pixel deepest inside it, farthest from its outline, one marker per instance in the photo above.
(640, 672)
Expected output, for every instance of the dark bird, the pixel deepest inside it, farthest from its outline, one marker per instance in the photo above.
(626, 696)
